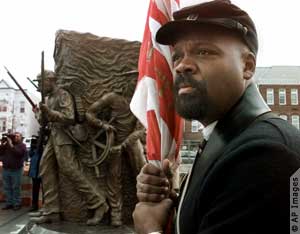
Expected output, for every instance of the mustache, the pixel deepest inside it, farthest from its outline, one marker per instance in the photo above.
(187, 79)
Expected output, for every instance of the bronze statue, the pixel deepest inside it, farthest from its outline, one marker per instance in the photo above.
(122, 124)
(92, 125)
(60, 153)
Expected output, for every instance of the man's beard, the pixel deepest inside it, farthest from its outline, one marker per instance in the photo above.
(194, 105)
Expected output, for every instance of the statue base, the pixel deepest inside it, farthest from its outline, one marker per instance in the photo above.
(75, 228)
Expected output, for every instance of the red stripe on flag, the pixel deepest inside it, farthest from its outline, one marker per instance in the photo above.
(164, 80)
(153, 137)
(158, 15)
(146, 61)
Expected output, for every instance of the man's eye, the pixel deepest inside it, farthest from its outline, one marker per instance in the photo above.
(203, 52)
(175, 57)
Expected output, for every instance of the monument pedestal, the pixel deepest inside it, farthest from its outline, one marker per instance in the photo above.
(75, 228)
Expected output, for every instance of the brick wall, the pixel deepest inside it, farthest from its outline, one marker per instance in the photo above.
(287, 109)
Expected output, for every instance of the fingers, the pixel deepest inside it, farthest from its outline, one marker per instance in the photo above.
(152, 185)
(147, 197)
(150, 193)
(153, 190)
(151, 170)
(166, 166)
(147, 188)
(152, 180)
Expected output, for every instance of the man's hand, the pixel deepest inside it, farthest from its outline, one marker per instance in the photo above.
(116, 149)
(44, 108)
(150, 217)
(154, 184)
(108, 127)
(35, 109)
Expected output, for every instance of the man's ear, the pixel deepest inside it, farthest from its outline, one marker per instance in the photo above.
(249, 65)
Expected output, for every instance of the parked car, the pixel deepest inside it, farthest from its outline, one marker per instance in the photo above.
(187, 156)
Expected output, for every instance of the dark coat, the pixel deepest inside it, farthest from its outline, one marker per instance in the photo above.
(240, 182)
(35, 158)
(13, 158)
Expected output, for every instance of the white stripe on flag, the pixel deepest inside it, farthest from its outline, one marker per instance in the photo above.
(166, 139)
(163, 49)
(145, 98)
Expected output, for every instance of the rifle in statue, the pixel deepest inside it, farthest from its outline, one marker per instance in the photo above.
(42, 130)
(32, 83)
(20, 87)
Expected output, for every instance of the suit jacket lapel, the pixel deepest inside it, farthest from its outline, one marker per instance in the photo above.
(238, 119)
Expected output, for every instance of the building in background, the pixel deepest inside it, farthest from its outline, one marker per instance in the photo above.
(279, 86)
(191, 135)
(16, 112)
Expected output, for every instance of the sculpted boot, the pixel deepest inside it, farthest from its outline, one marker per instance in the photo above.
(116, 218)
(36, 213)
(99, 212)
(49, 218)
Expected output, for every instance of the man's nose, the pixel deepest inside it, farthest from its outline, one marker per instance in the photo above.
(186, 65)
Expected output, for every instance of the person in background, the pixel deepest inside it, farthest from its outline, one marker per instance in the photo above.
(240, 181)
(13, 152)
(35, 158)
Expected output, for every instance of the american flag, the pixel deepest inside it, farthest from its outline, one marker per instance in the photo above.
(152, 102)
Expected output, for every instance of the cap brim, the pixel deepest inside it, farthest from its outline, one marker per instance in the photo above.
(169, 32)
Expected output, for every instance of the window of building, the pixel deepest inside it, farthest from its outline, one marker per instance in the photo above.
(3, 108)
(270, 96)
(3, 105)
(3, 124)
(282, 97)
(295, 121)
(22, 107)
(285, 117)
(195, 126)
(294, 96)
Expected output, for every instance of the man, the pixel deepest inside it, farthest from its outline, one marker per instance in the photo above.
(13, 152)
(122, 125)
(240, 182)
(35, 157)
(59, 154)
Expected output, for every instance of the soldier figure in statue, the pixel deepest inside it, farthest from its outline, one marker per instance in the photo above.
(59, 155)
(122, 123)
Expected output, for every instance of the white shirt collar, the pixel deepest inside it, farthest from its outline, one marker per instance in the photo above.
(207, 131)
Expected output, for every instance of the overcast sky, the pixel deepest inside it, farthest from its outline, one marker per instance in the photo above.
(29, 26)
